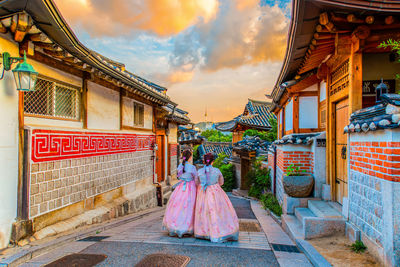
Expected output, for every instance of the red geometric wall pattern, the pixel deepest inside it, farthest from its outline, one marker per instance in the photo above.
(174, 149)
(49, 145)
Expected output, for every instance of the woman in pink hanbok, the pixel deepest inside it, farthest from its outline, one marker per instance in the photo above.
(179, 215)
(216, 218)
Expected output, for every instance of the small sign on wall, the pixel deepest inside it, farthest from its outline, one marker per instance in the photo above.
(369, 87)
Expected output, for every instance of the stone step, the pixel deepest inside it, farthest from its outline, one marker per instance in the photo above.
(302, 213)
(166, 197)
(323, 209)
(166, 189)
(314, 227)
(292, 226)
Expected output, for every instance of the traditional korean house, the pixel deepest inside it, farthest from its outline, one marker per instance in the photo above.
(85, 141)
(256, 116)
(335, 123)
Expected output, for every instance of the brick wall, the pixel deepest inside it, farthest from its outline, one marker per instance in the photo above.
(377, 159)
(68, 167)
(374, 186)
(304, 159)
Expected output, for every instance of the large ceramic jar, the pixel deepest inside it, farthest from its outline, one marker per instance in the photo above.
(298, 186)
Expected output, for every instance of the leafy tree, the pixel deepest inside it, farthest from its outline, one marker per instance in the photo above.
(270, 135)
(216, 136)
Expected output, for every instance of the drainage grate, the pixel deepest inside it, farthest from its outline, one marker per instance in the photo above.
(249, 226)
(77, 260)
(94, 238)
(163, 260)
(285, 248)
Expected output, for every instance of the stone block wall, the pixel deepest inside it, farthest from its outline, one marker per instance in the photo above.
(374, 191)
(366, 205)
(68, 167)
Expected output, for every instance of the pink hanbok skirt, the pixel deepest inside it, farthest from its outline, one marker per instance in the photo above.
(216, 218)
(179, 215)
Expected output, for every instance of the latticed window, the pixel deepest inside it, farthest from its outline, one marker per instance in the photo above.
(53, 99)
(138, 114)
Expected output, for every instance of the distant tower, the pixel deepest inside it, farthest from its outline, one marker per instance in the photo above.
(205, 115)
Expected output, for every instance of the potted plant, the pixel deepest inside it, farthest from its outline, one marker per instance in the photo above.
(297, 183)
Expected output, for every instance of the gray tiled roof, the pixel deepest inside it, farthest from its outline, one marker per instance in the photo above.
(256, 115)
(215, 148)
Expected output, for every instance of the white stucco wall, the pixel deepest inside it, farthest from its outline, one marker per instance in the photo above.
(322, 93)
(8, 147)
(308, 112)
(289, 116)
(128, 113)
(102, 108)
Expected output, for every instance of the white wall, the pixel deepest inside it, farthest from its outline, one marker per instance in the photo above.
(289, 116)
(308, 112)
(322, 93)
(128, 113)
(102, 108)
(8, 147)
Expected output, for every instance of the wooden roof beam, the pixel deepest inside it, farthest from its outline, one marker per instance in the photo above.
(324, 20)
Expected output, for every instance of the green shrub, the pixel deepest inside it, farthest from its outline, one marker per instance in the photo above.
(358, 247)
(196, 154)
(228, 171)
(270, 202)
(218, 162)
(258, 179)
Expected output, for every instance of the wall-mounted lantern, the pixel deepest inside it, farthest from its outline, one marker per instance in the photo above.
(24, 74)
(381, 89)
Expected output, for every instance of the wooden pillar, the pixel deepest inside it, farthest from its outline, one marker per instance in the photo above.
(85, 79)
(296, 99)
(355, 79)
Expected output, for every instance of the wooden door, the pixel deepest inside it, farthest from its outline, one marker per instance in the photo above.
(244, 169)
(160, 158)
(341, 120)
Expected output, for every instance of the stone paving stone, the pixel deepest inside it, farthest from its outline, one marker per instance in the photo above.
(288, 259)
(273, 231)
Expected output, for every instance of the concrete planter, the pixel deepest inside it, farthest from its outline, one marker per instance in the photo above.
(298, 186)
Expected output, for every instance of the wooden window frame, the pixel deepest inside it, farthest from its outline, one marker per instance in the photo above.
(64, 85)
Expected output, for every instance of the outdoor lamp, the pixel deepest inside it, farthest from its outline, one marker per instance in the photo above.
(381, 89)
(24, 74)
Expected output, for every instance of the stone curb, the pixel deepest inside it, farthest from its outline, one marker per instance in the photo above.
(35, 251)
(312, 254)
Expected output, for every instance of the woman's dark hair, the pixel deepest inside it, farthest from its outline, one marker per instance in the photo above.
(185, 157)
(208, 159)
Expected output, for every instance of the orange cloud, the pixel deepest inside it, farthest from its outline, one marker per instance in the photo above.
(244, 4)
(116, 17)
(243, 33)
(180, 76)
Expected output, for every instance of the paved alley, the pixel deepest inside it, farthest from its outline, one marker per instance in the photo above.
(127, 244)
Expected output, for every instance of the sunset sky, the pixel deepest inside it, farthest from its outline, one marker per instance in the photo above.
(212, 54)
